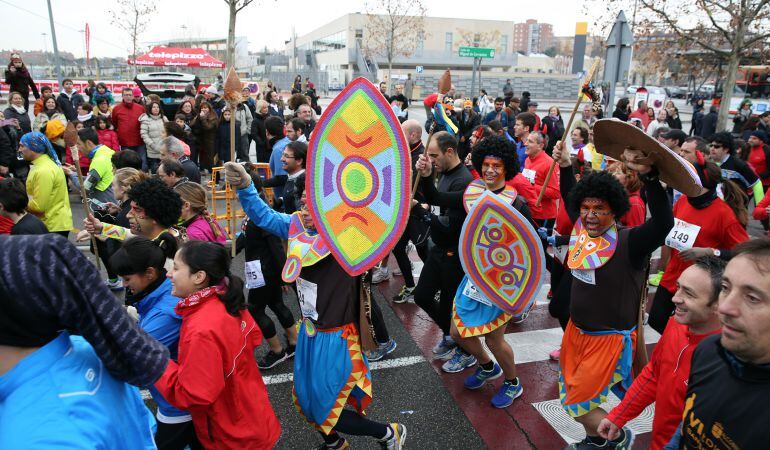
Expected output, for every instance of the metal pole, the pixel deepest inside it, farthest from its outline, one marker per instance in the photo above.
(479, 65)
(59, 75)
(473, 79)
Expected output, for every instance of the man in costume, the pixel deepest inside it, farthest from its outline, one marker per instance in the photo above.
(473, 315)
(664, 379)
(608, 266)
(330, 370)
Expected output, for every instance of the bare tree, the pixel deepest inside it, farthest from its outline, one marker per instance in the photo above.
(393, 29)
(235, 7)
(726, 30)
(133, 17)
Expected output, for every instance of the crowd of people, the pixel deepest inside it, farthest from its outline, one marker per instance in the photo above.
(187, 327)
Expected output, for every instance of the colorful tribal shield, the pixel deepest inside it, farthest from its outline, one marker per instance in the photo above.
(358, 175)
(502, 254)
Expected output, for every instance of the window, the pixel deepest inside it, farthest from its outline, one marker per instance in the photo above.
(503, 45)
(448, 43)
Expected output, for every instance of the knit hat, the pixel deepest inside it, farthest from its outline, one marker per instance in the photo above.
(54, 129)
(15, 57)
(38, 143)
(760, 134)
(467, 103)
(137, 92)
(47, 285)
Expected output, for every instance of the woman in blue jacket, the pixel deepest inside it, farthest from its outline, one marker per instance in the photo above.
(139, 262)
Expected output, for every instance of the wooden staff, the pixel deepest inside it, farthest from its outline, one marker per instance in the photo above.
(233, 98)
(444, 85)
(71, 141)
(587, 80)
(417, 178)
(640, 356)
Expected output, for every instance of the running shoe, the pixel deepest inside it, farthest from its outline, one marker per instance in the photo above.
(521, 318)
(396, 440)
(554, 355)
(507, 394)
(380, 275)
(290, 349)
(459, 362)
(382, 350)
(443, 350)
(588, 444)
(654, 279)
(272, 359)
(481, 376)
(341, 444)
(624, 442)
(115, 284)
(406, 294)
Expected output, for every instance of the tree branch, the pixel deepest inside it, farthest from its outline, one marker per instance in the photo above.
(664, 16)
(713, 21)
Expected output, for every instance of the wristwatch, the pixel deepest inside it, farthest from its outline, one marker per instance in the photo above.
(716, 251)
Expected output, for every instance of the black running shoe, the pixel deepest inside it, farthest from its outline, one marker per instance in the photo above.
(272, 359)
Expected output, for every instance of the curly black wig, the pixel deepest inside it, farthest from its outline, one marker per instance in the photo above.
(602, 185)
(159, 201)
(496, 147)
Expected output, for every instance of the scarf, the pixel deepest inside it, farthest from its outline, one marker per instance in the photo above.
(704, 200)
(47, 285)
(19, 109)
(203, 295)
(85, 117)
(38, 143)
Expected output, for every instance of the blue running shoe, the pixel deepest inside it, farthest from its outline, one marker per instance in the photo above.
(443, 350)
(507, 394)
(459, 362)
(481, 376)
(382, 350)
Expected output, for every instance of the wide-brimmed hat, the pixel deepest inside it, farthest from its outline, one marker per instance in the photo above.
(613, 136)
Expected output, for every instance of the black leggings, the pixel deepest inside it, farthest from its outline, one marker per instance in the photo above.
(661, 309)
(176, 436)
(378, 322)
(402, 259)
(350, 422)
(269, 295)
(439, 273)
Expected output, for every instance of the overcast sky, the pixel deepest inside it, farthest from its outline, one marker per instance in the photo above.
(265, 22)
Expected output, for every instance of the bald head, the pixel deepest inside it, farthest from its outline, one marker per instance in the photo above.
(412, 131)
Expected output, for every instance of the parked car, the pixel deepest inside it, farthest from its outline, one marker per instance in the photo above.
(677, 91)
(632, 89)
(169, 86)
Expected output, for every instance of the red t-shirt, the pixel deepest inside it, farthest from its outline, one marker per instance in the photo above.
(758, 162)
(540, 165)
(720, 229)
(637, 213)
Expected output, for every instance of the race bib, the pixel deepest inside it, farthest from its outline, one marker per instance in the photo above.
(254, 277)
(307, 293)
(587, 276)
(471, 292)
(529, 174)
(682, 236)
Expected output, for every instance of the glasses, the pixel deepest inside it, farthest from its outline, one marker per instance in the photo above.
(716, 145)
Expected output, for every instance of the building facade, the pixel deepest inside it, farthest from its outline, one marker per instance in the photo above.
(532, 37)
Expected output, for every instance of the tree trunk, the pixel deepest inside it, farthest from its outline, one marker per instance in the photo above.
(732, 71)
(231, 35)
(134, 39)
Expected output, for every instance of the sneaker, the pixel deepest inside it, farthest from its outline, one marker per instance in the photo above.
(459, 362)
(554, 355)
(382, 351)
(625, 442)
(380, 275)
(290, 349)
(341, 444)
(406, 294)
(443, 350)
(481, 376)
(654, 279)
(272, 359)
(521, 318)
(396, 440)
(586, 444)
(507, 394)
(115, 284)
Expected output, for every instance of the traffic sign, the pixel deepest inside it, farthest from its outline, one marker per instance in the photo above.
(477, 52)
(419, 69)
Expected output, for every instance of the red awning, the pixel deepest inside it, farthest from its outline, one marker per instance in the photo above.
(182, 57)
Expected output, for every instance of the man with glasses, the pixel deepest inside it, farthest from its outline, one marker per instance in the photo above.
(721, 152)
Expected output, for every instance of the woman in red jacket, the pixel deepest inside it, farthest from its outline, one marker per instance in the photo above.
(107, 136)
(216, 378)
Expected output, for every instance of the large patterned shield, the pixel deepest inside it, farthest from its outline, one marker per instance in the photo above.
(358, 174)
(502, 254)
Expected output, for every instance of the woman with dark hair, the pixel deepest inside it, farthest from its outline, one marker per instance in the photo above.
(16, 110)
(204, 127)
(274, 104)
(296, 86)
(50, 111)
(223, 136)
(195, 215)
(19, 80)
(554, 126)
(101, 92)
(151, 128)
(139, 262)
(637, 211)
(468, 121)
(107, 136)
(215, 377)
(622, 109)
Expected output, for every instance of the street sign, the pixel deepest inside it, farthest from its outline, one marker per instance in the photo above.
(419, 69)
(477, 52)
(618, 56)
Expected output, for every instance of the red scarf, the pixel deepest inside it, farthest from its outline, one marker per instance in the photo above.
(199, 297)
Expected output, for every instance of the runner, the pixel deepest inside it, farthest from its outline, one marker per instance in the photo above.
(473, 315)
(197, 222)
(664, 379)
(140, 263)
(704, 225)
(598, 345)
(330, 369)
(216, 378)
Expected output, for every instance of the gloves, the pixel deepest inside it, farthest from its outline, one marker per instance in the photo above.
(543, 233)
(237, 176)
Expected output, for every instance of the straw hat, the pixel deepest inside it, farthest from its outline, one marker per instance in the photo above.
(613, 136)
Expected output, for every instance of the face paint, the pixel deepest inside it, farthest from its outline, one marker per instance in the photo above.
(493, 172)
(596, 215)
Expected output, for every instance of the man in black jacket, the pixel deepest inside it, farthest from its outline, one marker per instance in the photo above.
(722, 153)
(69, 99)
(708, 124)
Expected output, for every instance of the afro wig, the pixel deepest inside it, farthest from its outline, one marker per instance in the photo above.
(158, 200)
(601, 185)
(496, 147)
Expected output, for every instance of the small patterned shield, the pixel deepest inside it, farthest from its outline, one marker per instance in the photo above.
(502, 254)
(358, 174)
